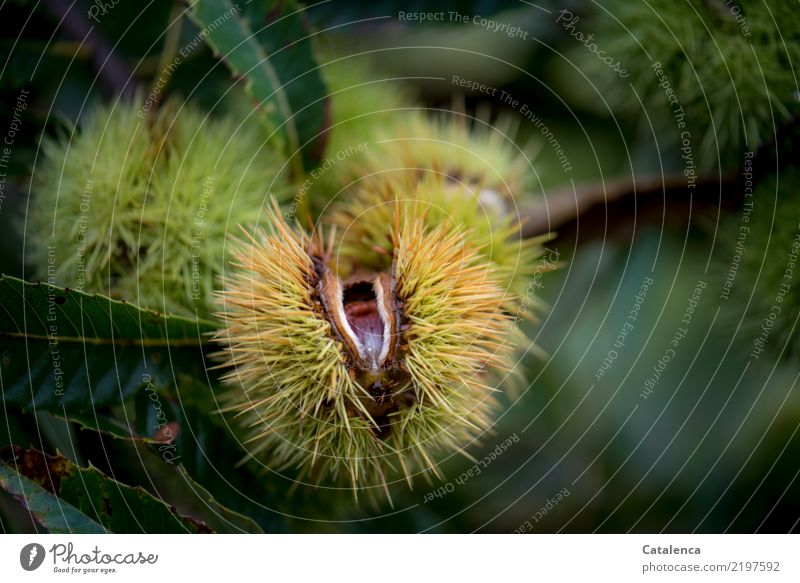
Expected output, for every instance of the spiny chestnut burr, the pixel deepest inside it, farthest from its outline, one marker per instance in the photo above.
(138, 206)
(367, 377)
(494, 234)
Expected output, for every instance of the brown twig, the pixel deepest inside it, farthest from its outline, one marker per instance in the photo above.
(607, 204)
(114, 75)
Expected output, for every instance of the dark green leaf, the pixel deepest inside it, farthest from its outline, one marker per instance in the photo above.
(205, 445)
(228, 503)
(107, 424)
(117, 507)
(220, 518)
(55, 515)
(71, 352)
(268, 44)
(188, 443)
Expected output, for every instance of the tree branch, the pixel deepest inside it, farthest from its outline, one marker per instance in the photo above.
(624, 200)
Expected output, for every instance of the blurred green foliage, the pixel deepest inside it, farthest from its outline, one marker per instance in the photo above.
(704, 442)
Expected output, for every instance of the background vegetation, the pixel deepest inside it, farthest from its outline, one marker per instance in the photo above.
(652, 410)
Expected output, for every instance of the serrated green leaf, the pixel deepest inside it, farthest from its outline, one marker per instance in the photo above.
(89, 318)
(226, 502)
(117, 507)
(268, 44)
(55, 515)
(70, 352)
(222, 519)
(193, 458)
(107, 425)
(204, 445)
